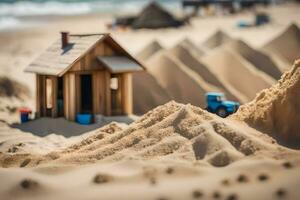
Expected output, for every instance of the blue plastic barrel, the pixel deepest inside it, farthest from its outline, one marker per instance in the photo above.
(24, 117)
(84, 119)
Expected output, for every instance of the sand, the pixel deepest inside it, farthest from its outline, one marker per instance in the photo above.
(258, 59)
(276, 110)
(175, 78)
(147, 93)
(149, 50)
(194, 49)
(240, 76)
(217, 39)
(286, 45)
(172, 151)
(187, 56)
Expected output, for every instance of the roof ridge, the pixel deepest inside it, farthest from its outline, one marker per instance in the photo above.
(88, 34)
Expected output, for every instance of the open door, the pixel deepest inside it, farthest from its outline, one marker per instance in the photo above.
(86, 94)
(60, 97)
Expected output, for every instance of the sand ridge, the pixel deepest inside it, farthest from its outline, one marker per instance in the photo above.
(240, 76)
(175, 77)
(286, 45)
(276, 110)
(182, 52)
(258, 59)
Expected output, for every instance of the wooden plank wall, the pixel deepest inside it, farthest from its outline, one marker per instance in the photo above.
(40, 95)
(89, 62)
(99, 88)
(54, 96)
(107, 93)
(126, 87)
(78, 93)
(69, 96)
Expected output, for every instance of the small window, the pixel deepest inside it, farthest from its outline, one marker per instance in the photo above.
(114, 83)
(49, 92)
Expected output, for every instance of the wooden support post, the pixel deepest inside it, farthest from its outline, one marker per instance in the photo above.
(43, 95)
(54, 96)
(72, 97)
(66, 95)
(38, 109)
(78, 93)
(69, 96)
(126, 87)
(107, 94)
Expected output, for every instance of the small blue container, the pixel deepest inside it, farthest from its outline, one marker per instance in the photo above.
(84, 119)
(24, 117)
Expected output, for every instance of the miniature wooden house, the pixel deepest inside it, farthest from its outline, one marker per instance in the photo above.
(81, 74)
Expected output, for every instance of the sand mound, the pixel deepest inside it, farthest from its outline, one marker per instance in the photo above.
(14, 140)
(149, 50)
(276, 110)
(196, 51)
(154, 16)
(147, 93)
(183, 53)
(172, 131)
(238, 75)
(217, 39)
(286, 45)
(258, 59)
(12, 88)
(180, 82)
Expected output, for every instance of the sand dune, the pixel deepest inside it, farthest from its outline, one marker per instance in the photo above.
(258, 59)
(217, 39)
(183, 53)
(147, 93)
(195, 50)
(286, 46)
(242, 78)
(180, 82)
(171, 131)
(276, 110)
(149, 50)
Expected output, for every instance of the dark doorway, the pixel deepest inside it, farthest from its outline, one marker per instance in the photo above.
(86, 94)
(60, 97)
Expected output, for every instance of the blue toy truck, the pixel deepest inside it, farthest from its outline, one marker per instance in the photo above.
(217, 103)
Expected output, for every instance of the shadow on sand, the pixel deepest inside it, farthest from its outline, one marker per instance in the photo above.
(45, 126)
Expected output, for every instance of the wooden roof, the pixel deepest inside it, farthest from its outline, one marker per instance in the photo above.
(56, 61)
(119, 64)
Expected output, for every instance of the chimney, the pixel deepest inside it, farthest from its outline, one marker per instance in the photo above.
(64, 39)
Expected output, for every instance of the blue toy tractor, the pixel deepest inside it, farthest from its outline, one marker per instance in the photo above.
(217, 103)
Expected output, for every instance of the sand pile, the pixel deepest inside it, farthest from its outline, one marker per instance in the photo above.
(196, 51)
(286, 46)
(186, 56)
(13, 95)
(217, 39)
(169, 132)
(147, 93)
(258, 59)
(149, 50)
(276, 110)
(179, 81)
(14, 140)
(238, 75)
(11, 88)
(153, 16)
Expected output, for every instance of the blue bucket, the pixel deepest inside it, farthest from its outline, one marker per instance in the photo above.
(84, 119)
(24, 117)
